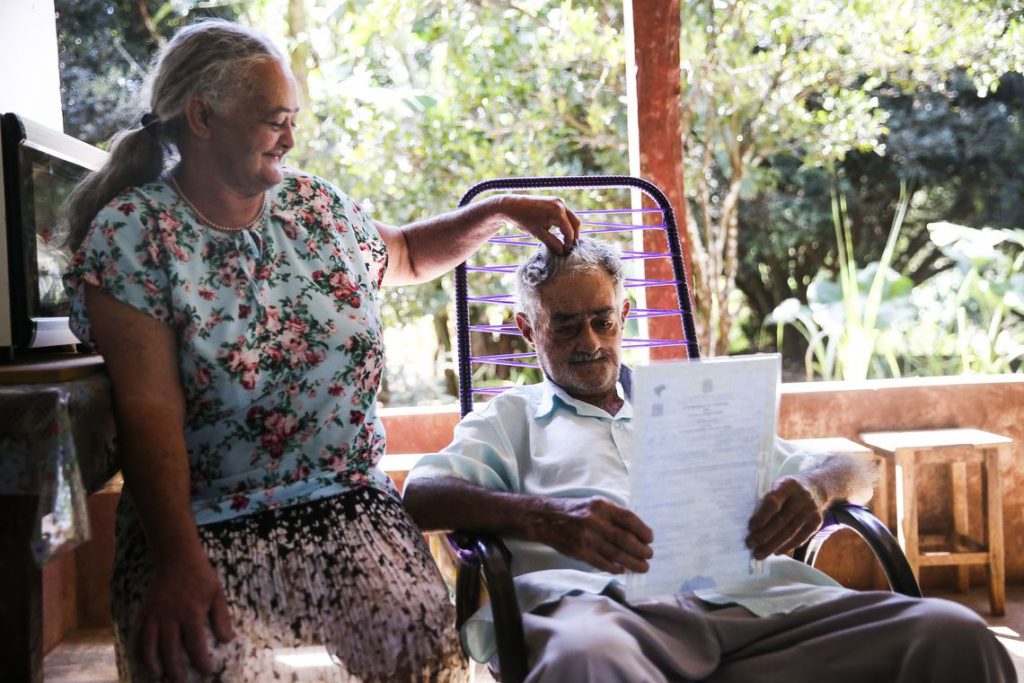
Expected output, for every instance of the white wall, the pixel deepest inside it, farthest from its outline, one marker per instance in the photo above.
(29, 72)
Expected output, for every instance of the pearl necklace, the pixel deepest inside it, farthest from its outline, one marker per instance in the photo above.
(216, 226)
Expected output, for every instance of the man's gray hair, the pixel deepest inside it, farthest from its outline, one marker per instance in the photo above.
(587, 256)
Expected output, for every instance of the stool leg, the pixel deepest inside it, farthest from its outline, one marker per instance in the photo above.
(906, 508)
(992, 492)
(880, 506)
(880, 499)
(958, 484)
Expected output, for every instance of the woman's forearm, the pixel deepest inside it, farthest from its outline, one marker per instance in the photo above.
(428, 248)
(149, 404)
(155, 465)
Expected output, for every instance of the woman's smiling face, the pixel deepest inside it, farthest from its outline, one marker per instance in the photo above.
(251, 139)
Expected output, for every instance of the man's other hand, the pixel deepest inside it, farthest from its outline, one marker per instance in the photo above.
(788, 516)
(596, 531)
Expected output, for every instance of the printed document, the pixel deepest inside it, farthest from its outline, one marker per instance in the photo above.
(702, 443)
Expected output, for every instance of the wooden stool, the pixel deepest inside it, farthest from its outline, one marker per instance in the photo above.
(956, 448)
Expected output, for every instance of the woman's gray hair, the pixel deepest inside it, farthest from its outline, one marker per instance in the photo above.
(211, 59)
(587, 256)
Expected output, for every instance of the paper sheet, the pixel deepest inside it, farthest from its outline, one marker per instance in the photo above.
(702, 442)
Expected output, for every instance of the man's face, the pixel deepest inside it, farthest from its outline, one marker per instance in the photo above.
(578, 333)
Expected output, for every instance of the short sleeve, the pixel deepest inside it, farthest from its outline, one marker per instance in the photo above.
(371, 245)
(123, 255)
(477, 454)
(370, 242)
(789, 459)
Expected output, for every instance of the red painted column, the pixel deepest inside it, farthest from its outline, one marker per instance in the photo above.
(656, 145)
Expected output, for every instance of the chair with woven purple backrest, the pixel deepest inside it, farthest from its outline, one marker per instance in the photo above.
(485, 558)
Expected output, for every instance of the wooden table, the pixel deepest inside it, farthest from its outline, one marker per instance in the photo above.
(56, 447)
(955, 448)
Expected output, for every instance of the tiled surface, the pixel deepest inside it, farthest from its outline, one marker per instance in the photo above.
(88, 656)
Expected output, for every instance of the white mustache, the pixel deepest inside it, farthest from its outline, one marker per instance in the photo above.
(588, 357)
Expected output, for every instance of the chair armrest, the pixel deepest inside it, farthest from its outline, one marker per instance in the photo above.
(488, 556)
(881, 541)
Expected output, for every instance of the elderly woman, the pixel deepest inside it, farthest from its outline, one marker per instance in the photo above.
(235, 303)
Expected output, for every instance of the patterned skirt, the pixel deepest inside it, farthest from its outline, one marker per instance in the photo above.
(339, 589)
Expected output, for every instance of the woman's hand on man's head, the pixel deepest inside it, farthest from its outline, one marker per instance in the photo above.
(540, 216)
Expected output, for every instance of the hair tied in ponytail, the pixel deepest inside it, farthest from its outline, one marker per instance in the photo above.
(150, 121)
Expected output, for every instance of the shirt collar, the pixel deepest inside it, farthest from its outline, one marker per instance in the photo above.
(553, 395)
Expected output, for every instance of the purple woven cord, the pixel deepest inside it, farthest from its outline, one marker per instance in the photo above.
(509, 300)
(508, 328)
(651, 343)
(592, 211)
(629, 226)
(492, 299)
(494, 391)
(492, 269)
(626, 256)
(624, 228)
(630, 255)
(530, 240)
(504, 356)
(634, 314)
(627, 343)
(514, 240)
(509, 363)
(466, 555)
(642, 282)
(637, 313)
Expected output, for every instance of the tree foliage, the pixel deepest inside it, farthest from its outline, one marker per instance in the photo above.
(407, 103)
(958, 149)
(800, 81)
(105, 50)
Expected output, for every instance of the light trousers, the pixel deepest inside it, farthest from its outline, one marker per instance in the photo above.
(860, 637)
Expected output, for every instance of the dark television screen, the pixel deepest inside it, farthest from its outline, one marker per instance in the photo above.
(41, 166)
(49, 181)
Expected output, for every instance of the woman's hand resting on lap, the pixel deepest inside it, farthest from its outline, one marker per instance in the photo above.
(184, 598)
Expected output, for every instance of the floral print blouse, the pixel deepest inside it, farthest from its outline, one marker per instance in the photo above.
(278, 330)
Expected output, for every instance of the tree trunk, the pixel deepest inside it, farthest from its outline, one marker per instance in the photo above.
(298, 47)
(443, 352)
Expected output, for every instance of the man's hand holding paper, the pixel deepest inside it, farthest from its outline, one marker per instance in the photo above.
(596, 531)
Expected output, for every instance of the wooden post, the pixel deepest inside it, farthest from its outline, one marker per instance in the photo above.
(655, 139)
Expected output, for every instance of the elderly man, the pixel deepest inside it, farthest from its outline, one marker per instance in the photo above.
(546, 467)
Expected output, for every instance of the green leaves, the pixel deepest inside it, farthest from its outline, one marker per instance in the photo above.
(850, 324)
(972, 314)
(968, 318)
(417, 101)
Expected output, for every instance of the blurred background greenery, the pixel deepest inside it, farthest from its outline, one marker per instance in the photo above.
(853, 176)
